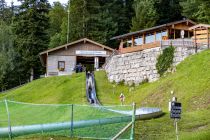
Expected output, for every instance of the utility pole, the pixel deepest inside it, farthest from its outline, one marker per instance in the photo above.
(67, 38)
(84, 18)
(12, 9)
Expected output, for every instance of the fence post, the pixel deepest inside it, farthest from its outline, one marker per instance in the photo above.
(133, 122)
(8, 117)
(72, 115)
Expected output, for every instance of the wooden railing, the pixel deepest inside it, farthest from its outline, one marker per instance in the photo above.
(140, 47)
(163, 43)
(115, 52)
(202, 37)
(178, 42)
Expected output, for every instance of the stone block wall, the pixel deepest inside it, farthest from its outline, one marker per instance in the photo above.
(140, 66)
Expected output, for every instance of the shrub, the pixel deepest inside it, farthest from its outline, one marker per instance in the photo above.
(165, 60)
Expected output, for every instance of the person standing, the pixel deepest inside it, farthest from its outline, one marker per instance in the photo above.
(122, 98)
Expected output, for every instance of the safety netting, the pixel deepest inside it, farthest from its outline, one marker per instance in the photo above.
(18, 119)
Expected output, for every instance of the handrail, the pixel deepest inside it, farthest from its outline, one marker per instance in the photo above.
(115, 52)
(178, 42)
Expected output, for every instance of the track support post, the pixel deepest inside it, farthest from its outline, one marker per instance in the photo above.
(8, 118)
(133, 122)
(72, 120)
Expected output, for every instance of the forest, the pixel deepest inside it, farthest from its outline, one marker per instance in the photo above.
(36, 25)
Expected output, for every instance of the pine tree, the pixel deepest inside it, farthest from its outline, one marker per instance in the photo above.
(56, 15)
(197, 10)
(31, 25)
(2, 8)
(10, 73)
(98, 20)
(5, 12)
(89, 19)
(145, 15)
(168, 11)
(121, 12)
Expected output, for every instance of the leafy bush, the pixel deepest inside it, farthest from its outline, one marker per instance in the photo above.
(165, 60)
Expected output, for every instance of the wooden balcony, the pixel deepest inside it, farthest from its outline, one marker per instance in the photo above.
(162, 43)
(140, 47)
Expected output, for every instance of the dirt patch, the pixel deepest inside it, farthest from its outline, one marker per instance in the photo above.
(200, 102)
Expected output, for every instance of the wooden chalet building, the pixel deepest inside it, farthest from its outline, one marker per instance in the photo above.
(63, 59)
(201, 34)
(174, 33)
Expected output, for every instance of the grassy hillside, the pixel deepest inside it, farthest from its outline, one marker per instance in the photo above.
(62, 89)
(191, 85)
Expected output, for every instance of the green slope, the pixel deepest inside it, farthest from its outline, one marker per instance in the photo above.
(62, 89)
(191, 85)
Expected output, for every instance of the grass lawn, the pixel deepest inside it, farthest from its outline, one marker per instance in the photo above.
(190, 83)
(52, 90)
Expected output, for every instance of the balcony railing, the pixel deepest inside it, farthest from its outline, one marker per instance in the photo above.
(178, 42)
(140, 47)
(162, 43)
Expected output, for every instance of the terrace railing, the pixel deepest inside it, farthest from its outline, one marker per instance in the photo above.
(188, 43)
(178, 42)
(140, 47)
(115, 52)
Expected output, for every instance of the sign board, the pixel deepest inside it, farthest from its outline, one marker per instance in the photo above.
(176, 109)
(94, 53)
(182, 33)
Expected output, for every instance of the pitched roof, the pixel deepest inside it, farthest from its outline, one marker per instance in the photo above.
(75, 42)
(200, 26)
(153, 28)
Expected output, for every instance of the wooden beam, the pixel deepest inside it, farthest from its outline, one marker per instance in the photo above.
(195, 41)
(207, 37)
(204, 41)
(174, 34)
(122, 131)
(168, 33)
(141, 47)
(144, 40)
(201, 36)
(47, 65)
(201, 32)
(155, 36)
(132, 41)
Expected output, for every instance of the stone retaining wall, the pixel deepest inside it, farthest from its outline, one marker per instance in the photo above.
(140, 66)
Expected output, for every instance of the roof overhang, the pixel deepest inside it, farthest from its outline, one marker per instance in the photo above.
(153, 28)
(200, 26)
(43, 55)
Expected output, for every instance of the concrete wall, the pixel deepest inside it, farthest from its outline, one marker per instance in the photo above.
(52, 64)
(139, 66)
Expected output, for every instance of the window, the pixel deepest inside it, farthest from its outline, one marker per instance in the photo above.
(150, 38)
(129, 43)
(138, 41)
(61, 65)
(158, 36)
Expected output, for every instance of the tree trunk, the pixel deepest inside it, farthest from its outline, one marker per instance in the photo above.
(32, 74)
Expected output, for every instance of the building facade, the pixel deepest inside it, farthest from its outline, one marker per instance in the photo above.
(155, 36)
(62, 60)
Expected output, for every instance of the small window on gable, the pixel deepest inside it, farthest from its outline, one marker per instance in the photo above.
(61, 65)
